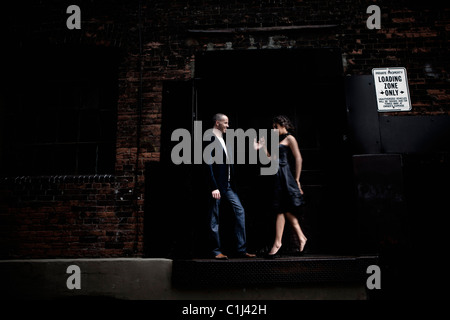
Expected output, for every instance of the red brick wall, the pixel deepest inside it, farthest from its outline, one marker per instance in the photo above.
(102, 216)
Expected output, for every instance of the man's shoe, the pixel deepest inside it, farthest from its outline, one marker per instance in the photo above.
(246, 255)
(221, 256)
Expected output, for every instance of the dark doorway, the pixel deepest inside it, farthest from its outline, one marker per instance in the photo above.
(252, 87)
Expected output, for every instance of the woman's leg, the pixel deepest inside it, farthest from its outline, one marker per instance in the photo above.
(279, 228)
(298, 230)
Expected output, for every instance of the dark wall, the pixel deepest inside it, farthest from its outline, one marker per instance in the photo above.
(401, 171)
(87, 215)
(413, 151)
(375, 132)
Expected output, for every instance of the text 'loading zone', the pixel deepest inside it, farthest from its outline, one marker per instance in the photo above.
(391, 88)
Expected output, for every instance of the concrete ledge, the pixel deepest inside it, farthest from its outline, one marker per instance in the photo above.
(117, 278)
(141, 279)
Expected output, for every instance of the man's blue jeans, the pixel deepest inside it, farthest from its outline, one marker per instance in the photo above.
(239, 228)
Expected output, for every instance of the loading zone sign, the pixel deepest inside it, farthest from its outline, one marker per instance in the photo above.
(391, 87)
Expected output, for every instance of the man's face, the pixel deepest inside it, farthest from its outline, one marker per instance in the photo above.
(222, 125)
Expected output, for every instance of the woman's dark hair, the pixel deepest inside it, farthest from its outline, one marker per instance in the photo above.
(284, 122)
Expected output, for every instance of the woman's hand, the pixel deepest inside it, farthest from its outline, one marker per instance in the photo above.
(299, 186)
(258, 145)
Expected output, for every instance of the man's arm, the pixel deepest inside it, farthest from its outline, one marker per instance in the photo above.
(212, 179)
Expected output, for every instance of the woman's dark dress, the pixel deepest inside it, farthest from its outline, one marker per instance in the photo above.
(287, 196)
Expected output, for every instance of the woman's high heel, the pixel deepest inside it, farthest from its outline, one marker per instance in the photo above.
(273, 256)
(302, 250)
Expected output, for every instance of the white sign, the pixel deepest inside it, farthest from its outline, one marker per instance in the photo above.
(391, 87)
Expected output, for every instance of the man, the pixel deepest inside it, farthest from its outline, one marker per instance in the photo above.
(221, 178)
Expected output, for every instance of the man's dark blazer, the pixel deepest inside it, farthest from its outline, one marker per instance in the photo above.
(218, 172)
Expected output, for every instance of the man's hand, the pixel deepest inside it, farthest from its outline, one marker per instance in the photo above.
(216, 194)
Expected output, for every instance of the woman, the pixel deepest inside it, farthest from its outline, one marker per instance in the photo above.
(288, 193)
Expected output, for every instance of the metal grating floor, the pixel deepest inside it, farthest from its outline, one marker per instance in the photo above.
(259, 271)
